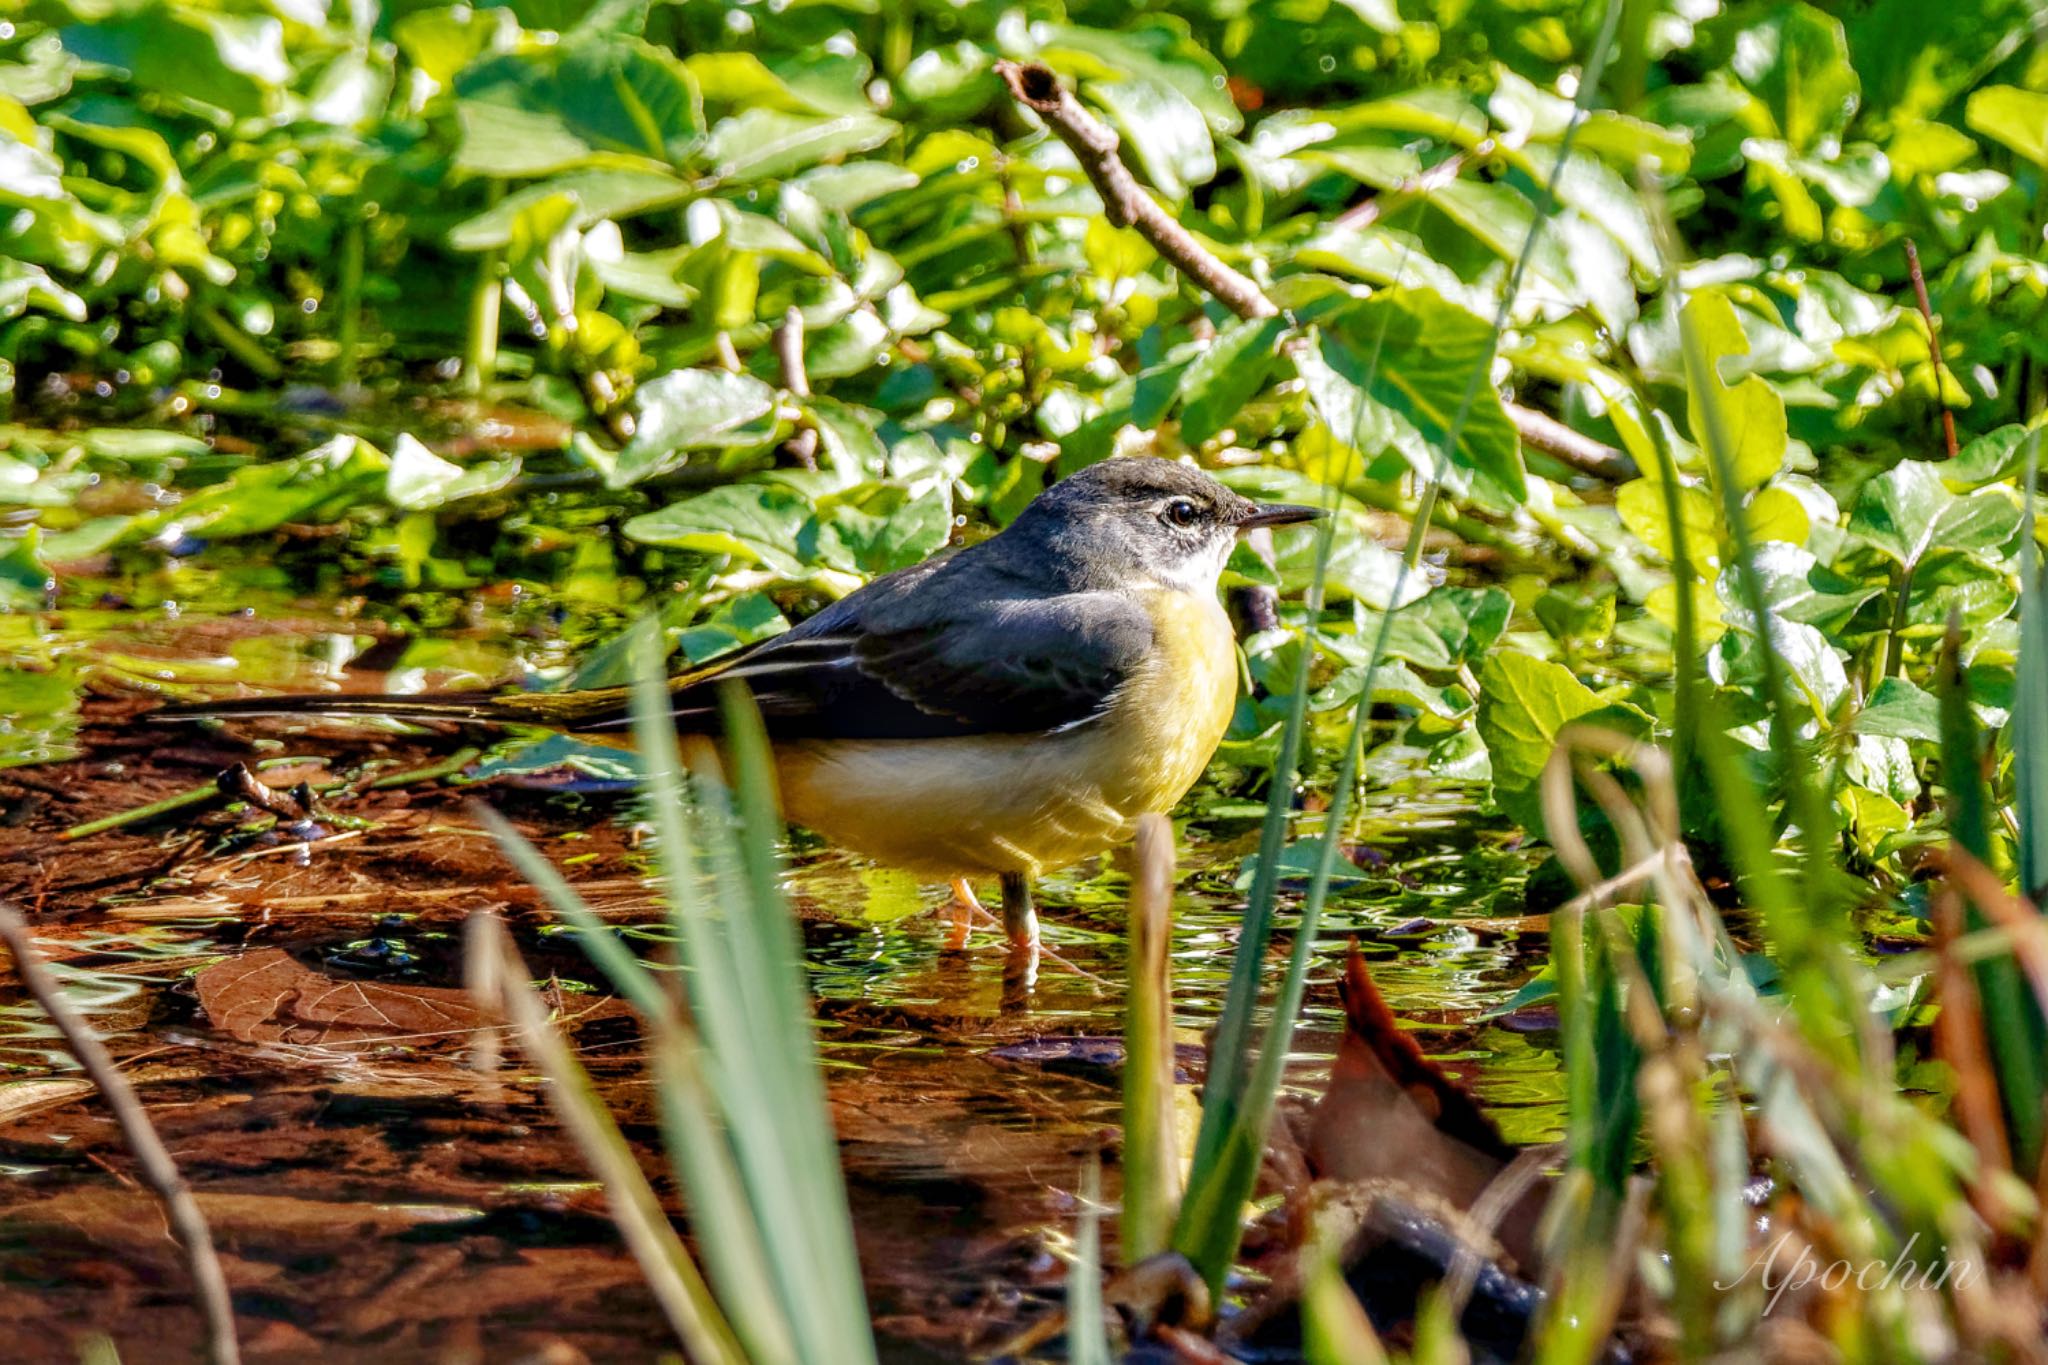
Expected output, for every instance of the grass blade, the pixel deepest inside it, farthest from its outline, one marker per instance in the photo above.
(671, 1274)
(696, 1145)
(2012, 1021)
(1151, 1159)
(2030, 704)
(1087, 1342)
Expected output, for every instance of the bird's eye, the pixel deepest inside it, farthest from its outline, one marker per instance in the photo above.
(1181, 512)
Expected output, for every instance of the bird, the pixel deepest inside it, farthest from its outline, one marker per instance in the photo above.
(1001, 711)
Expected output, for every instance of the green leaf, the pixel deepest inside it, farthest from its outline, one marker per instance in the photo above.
(1640, 504)
(1799, 588)
(1226, 374)
(1523, 704)
(441, 42)
(598, 195)
(602, 93)
(1813, 665)
(1900, 709)
(25, 581)
(761, 144)
(686, 410)
(233, 62)
(1447, 628)
(1428, 351)
(314, 487)
(500, 140)
(2012, 116)
(757, 523)
(845, 188)
(420, 480)
(889, 530)
(1797, 61)
(1752, 413)
(1907, 510)
(1993, 456)
(1164, 129)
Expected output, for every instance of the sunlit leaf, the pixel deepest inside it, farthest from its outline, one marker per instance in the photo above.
(1523, 704)
(687, 410)
(756, 523)
(2015, 117)
(1906, 511)
(1226, 374)
(761, 144)
(1410, 400)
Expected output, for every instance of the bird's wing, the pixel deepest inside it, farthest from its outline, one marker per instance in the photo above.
(926, 665)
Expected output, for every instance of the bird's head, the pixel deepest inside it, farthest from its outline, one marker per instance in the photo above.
(1129, 521)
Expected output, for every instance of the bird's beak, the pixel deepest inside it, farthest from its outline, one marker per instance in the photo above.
(1278, 514)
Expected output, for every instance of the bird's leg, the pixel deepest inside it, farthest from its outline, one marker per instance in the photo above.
(1020, 922)
(960, 911)
(1020, 919)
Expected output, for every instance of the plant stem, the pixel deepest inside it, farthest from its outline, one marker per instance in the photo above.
(191, 796)
(1895, 632)
(237, 343)
(480, 355)
(350, 302)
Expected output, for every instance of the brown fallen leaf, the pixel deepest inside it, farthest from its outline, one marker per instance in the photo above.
(268, 996)
(1392, 1114)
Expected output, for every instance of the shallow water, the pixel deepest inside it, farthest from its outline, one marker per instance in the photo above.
(377, 1198)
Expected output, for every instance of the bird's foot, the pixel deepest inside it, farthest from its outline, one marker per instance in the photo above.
(961, 910)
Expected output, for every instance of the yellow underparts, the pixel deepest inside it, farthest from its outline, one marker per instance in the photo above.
(988, 804)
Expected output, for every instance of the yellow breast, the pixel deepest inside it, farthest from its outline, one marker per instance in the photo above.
(986, 804)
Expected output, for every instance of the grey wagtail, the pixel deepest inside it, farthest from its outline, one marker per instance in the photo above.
(1004, 710)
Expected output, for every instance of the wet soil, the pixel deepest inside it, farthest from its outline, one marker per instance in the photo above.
(291, 1013)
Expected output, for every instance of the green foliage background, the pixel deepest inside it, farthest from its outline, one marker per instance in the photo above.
(292, 220)
(508, 294)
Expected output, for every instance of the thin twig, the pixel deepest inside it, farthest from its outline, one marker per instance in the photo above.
(1095, 146)
(188, 1224)
(237, 783)
(789, 351)
(1948, 419)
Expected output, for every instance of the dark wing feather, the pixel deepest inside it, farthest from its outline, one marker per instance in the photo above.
(916, 656)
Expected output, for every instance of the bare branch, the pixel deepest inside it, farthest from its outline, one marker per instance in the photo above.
(1123, 198)
(1541, 431)
(188, 1224)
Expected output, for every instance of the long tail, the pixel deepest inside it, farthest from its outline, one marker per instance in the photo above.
(601, 708)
